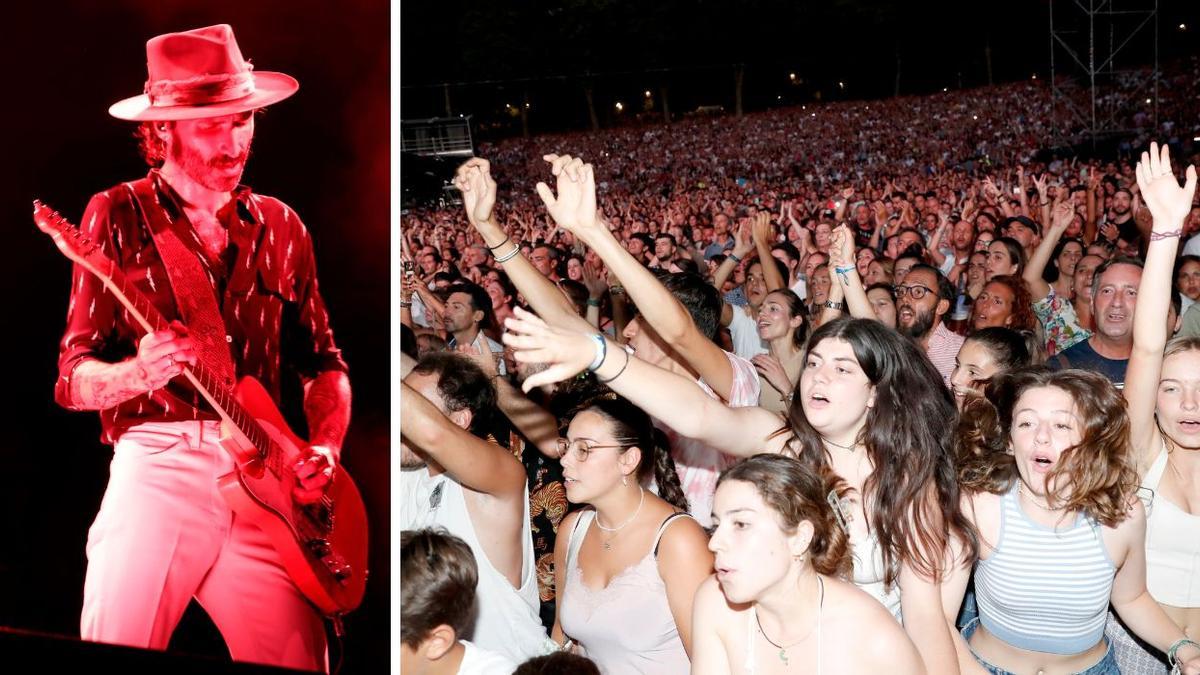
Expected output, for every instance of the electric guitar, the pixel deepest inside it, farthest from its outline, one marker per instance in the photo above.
(323, 546)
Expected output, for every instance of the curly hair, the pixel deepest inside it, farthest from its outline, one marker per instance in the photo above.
(792, 490)
(912, 495)
(632, 426)
(1022, 317)
(1099, 468)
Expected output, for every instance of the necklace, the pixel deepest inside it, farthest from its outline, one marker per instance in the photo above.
(608, 542)
(782, 649)
(1031, 500)
(848, 448)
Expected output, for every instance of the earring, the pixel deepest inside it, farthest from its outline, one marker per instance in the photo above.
(625, 481)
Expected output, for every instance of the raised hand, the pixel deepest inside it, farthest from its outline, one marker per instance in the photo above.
(1061, 217)
(1168, 203)
(595, 282)
(841, 248)
(762, 230)
(743, 242)
(565, 353)
(574, 208)
(474, 180)
(482, 355)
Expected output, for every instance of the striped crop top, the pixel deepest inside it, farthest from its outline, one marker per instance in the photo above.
(1042, 589)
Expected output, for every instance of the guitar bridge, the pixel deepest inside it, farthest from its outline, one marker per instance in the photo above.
(335, 564)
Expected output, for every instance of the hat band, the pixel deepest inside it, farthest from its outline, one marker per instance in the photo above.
(200, 90)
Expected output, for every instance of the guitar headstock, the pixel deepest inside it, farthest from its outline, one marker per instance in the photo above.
(73, 243)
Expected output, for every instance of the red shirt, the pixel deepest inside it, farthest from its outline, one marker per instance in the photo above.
(266, 286)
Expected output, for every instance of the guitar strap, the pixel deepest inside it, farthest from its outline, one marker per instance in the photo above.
(191, 286)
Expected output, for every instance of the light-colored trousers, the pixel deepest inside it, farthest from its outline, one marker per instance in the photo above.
(164, 535)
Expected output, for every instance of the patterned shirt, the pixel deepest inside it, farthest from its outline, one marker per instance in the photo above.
(698, 463)
(1059, 323)
(266, 288)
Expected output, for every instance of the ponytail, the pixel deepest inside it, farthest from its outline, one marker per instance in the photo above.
(666, 476)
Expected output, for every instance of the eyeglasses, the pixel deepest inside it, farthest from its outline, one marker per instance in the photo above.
(580, 450)
(917, 291)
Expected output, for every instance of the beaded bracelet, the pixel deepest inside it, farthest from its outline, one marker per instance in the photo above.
(1181, 642)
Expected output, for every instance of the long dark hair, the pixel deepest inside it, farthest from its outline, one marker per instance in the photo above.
(632, 426)
(913, 492)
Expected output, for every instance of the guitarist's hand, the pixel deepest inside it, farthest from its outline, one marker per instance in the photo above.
(313, 474)
(162, 356)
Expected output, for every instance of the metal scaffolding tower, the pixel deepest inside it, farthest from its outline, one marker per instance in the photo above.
(1098, 52)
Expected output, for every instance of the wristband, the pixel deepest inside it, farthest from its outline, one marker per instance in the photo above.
(601, 351)
(506, 240)
(404, 304)
(1159, 236)
(593, 302)
(839, 306)
(619, 372)
(734, 257)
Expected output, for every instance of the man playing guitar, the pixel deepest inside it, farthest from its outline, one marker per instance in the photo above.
(164, 534)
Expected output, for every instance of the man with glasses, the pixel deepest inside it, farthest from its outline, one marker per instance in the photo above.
(922, 299)
(452, 478)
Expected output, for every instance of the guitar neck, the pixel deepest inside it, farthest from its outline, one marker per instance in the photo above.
(218, 394)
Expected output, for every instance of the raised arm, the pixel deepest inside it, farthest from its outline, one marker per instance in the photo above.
(1064, 213)
(845, 275)
(763, 234)
(656, 305)
(1169, 205)
(666, 396)
(474, 180)
(742, 246)
(482, 466)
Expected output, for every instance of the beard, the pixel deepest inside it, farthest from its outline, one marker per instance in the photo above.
(922, 323)
(212, 173)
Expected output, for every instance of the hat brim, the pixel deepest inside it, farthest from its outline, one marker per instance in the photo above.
(268, 88)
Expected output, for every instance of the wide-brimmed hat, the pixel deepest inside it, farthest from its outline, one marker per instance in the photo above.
(201, 73)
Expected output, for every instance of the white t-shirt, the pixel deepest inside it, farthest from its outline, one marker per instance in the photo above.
(744, 331)
(800, 288)
(479, 661)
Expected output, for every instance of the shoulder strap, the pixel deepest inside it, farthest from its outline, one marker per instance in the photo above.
(193, 291)
(576, 537)
(663, 528)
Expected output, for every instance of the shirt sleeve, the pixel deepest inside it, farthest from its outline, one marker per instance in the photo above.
(307, 342)
(746, 386)
(92, 311)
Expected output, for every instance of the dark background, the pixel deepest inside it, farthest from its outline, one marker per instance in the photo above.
(325, 152)
(545, 52)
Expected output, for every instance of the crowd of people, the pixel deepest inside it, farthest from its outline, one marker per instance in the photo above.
(861, 388)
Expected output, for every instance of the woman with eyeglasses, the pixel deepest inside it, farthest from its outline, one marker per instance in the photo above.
(629, 565)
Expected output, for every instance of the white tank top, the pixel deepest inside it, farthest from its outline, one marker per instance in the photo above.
(507, 620)
(1172, 544)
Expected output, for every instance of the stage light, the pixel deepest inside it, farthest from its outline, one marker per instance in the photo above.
(975, 117)
(841, 85)
(945, 89)
(1147, 101)
(792, 76)
(647, 93)
(620, 106)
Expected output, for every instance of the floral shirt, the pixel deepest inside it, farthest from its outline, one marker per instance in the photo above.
(1059, 323)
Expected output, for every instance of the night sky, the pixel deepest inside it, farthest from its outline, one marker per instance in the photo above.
(325, 152)
(500, 52)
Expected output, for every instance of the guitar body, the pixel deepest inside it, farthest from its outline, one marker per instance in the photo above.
(322, 546)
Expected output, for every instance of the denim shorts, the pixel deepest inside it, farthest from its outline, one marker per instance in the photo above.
(1105, 666)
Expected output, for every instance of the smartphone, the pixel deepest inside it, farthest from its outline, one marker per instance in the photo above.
(407, 266)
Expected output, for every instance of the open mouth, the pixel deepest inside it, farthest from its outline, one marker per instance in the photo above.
(818, 400)
(1042, 463)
